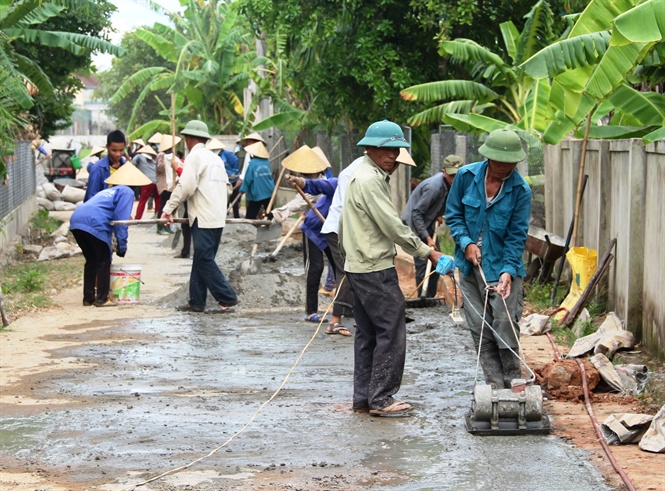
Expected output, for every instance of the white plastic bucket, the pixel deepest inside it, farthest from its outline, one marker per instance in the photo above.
(125, 283)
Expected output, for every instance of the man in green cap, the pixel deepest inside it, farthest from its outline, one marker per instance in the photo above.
(488, 212)
(368, 231)
(203, 185)
(426, 206)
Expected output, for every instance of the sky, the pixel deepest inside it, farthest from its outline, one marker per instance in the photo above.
(130, 15)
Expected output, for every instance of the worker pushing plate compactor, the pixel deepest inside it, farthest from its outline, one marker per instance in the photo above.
(514, 411)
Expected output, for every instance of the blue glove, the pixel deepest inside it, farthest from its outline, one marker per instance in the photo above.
(445, 265)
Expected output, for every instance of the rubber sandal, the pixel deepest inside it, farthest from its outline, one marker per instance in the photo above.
(188, 308)
(221, 309)
(338, 328)
(314, 318)
(397, 407)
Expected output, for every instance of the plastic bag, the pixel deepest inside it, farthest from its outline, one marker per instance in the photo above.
(445, 265)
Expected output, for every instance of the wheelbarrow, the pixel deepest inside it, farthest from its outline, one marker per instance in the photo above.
(547, 248)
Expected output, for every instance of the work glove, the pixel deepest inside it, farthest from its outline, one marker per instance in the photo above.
(445, 265)
(121, 253)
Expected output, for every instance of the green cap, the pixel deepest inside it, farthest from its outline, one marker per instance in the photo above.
(452, 163)
(384, 134)
(196, 128)
(503, 146)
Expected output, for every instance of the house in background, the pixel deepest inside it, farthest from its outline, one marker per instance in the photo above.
(89, 116)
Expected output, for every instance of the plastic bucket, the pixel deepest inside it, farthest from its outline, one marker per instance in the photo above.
(125, 283)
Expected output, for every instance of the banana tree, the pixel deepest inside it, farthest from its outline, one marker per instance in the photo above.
(22, 77)
(591, 67)
(213, 57)
(500, 94)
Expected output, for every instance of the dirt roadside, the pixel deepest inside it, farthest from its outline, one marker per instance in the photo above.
(27, 346)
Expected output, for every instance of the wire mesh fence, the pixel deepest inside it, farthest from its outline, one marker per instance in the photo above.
(21, 182)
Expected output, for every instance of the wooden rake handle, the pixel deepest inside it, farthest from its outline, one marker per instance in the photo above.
(309, 203)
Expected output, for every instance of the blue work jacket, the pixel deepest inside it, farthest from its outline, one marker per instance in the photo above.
(231, 164)
(258, 184)
(312, 224)
(504, 222)
(94, 216)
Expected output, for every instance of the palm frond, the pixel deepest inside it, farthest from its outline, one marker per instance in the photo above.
(449, 89)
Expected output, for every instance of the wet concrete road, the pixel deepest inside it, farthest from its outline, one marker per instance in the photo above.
(160, 393)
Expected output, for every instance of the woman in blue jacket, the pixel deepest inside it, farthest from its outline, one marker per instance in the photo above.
(258, 184)
(91, 225)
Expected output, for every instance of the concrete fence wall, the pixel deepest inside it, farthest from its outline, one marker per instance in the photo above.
(624, 199)
(17, 197)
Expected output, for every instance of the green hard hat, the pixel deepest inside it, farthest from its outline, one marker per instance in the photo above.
(196, 128)
(384, 134)
(503, 146)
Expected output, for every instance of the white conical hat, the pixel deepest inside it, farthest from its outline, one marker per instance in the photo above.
(404, 157)
(258, 149)
(166, 143)
(253, 136)
(214, 144)
(156, 138)
(128, 175)
(319, 151)
(147, 149)
(305, 161)
(96, 150)
(138, 141)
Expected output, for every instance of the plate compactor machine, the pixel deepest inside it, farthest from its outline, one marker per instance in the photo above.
(517, 410)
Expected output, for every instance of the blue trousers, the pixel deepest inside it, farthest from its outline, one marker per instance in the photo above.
(205, 274)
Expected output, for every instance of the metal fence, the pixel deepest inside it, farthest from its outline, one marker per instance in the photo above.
(22, 179)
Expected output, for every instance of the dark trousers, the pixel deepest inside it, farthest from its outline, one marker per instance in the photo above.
(313, 257)
(344, 302)
(205, 274)
(499, 365)
(163, 198)
(146, 192)
(236, 206)
(253, 208)
(97, 269)
(186, 235)
(380, 344)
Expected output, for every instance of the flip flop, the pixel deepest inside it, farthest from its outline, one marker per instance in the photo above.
(396, 408)
(338, 328)
(316, 318)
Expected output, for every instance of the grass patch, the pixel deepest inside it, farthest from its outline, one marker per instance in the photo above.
(29, 286)
(538, 296)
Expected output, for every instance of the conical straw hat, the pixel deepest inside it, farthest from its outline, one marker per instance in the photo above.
(166, 142)
(128, 175)
(147, 149)
(320, 153)
(404, 157)
(96, 150)
(156, 138)
(215, 144)
(305, 161)
(253, 136)
(138, 141)
(258, 149)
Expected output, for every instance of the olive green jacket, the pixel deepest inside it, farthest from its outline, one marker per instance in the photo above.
(370, 226)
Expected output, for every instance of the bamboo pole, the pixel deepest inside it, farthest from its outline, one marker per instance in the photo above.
(163, 221)
(274, 191)
(580, 179)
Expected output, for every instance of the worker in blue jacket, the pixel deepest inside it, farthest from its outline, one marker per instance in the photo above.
(91, 226)
(488, 212)
(101, 170)
(258, 183)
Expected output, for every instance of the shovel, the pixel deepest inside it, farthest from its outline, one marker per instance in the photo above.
(428, 269)
(274, 253)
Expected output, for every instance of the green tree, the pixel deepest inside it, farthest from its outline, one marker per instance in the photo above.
(137, 56)
(499, 94)
(214, 57)
(84, 19)
(24, 26)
